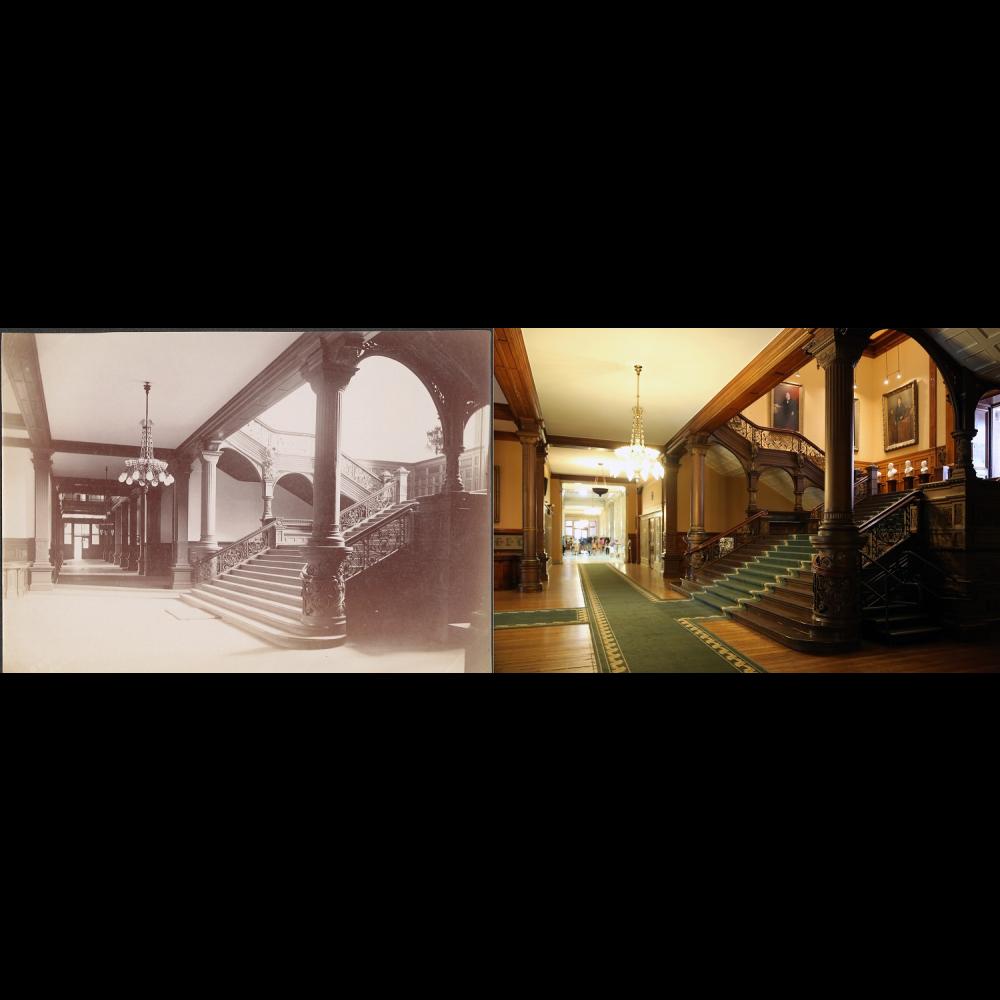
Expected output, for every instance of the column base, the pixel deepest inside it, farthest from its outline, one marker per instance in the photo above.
(180, 577)
(324, 590)
(40, 577)
(837, 582)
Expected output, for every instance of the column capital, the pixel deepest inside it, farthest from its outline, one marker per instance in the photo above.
(841, 343)
(671, 461)
(331, 374)
(211, 456)
(697, 444)
(41, 458)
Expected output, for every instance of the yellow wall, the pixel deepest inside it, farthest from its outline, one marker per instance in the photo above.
(914, 363)
(507, 454)
(725, 499)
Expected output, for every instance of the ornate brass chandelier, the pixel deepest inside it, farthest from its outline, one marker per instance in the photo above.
(636, 461)
(146, 471)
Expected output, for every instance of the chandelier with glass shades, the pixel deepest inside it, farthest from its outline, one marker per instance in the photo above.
(636, 461)
(146, 471)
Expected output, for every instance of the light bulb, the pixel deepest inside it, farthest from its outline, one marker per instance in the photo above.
(899, 375)
(169, 480)
(121, 478)
(885, 381)
(156, 482)
(149, 474)
(161, 477)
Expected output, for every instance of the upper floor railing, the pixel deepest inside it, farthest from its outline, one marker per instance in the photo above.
(775, 439)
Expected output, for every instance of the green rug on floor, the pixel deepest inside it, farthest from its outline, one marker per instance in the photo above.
(536, 619)
(633, 631)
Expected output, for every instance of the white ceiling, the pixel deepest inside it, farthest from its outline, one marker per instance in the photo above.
(586, 382)
(93, 381)
(8, 398)
(580, 461)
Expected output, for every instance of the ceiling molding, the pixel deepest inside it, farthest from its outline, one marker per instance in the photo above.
(506, 436)
(784, 356)
(94, 487)
(561, 441)
(513, 373)
(9, 442)
(570, 478)
(20, 358)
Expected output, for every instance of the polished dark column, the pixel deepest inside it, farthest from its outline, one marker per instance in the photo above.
(753, 478)
(41, 568)
(836, 563)
(672, 568)
(529, 435)
(142, 509)
(697, 446)
(180, 570)
(126, 533)
(323, 584)
(873, 471)
(133, 517)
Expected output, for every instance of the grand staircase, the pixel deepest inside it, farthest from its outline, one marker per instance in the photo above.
(767, 583)
(255, 584)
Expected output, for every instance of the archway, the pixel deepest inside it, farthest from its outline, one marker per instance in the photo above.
(293, 496)
(776, 490)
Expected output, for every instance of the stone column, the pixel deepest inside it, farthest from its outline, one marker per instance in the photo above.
(41, 568)
(402, 484)
(133, 557)
(180, 570)
(671, 560)
(529, 436)
(454, 445)
(116, 554)
(323, 584)
(209, 462)
(541, 452)
(697, 447)
(836, 563)
(123, 548)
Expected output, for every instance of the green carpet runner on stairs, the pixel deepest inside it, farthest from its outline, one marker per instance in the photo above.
(634, 631)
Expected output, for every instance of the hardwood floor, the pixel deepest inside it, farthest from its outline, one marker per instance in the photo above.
(945, 656)
(567, 648)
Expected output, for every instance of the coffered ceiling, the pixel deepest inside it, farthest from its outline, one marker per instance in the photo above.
(586, 382)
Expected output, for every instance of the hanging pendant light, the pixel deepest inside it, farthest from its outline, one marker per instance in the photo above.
(885, 381)
(146, 471)
(636, 461)
(899, 369)
(601, 487)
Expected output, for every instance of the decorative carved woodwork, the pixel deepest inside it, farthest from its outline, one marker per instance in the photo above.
(513, 373)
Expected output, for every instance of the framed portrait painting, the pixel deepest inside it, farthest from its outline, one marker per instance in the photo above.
(786, 407)
(899, 416)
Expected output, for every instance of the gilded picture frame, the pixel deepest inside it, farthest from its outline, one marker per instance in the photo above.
(786, 407)
(900, 425)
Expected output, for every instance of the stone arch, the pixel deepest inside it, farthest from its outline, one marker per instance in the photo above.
(235, 463)
(300, 486)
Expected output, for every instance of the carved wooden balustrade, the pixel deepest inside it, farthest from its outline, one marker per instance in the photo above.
(724, 544)
(380, 540)
(216, 563)
(773, 439)
(372, 505)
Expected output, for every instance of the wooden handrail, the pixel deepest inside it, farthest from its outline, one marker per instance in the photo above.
(730, 531)
(903, 501)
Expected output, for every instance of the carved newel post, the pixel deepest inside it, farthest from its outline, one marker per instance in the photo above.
(529, 436)
(836, 562)
(323, 578)
(267, 477)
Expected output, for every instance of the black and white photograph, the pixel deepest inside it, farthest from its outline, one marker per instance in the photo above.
(247, 501)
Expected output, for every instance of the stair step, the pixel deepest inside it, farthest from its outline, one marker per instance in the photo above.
(279, 608)
(790, 599)
(289, 579)
(800, 618)
(275, 635)
(714, 601)
(286, 597)
(282, 622)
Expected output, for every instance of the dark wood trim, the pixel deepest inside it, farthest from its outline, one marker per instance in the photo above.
(784, 356)
(72, 484)
(932, 385)
(13, 422)
(9, 442)
(20, 358)
(561, 441)
(513, 373)
(502, 411)
(949, 429)
(506, 436)
(887, 342)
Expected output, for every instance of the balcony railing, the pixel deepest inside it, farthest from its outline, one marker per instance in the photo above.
(778, 440)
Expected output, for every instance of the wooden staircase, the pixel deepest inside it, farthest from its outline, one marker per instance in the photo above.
(262, 593)
(767, 585)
